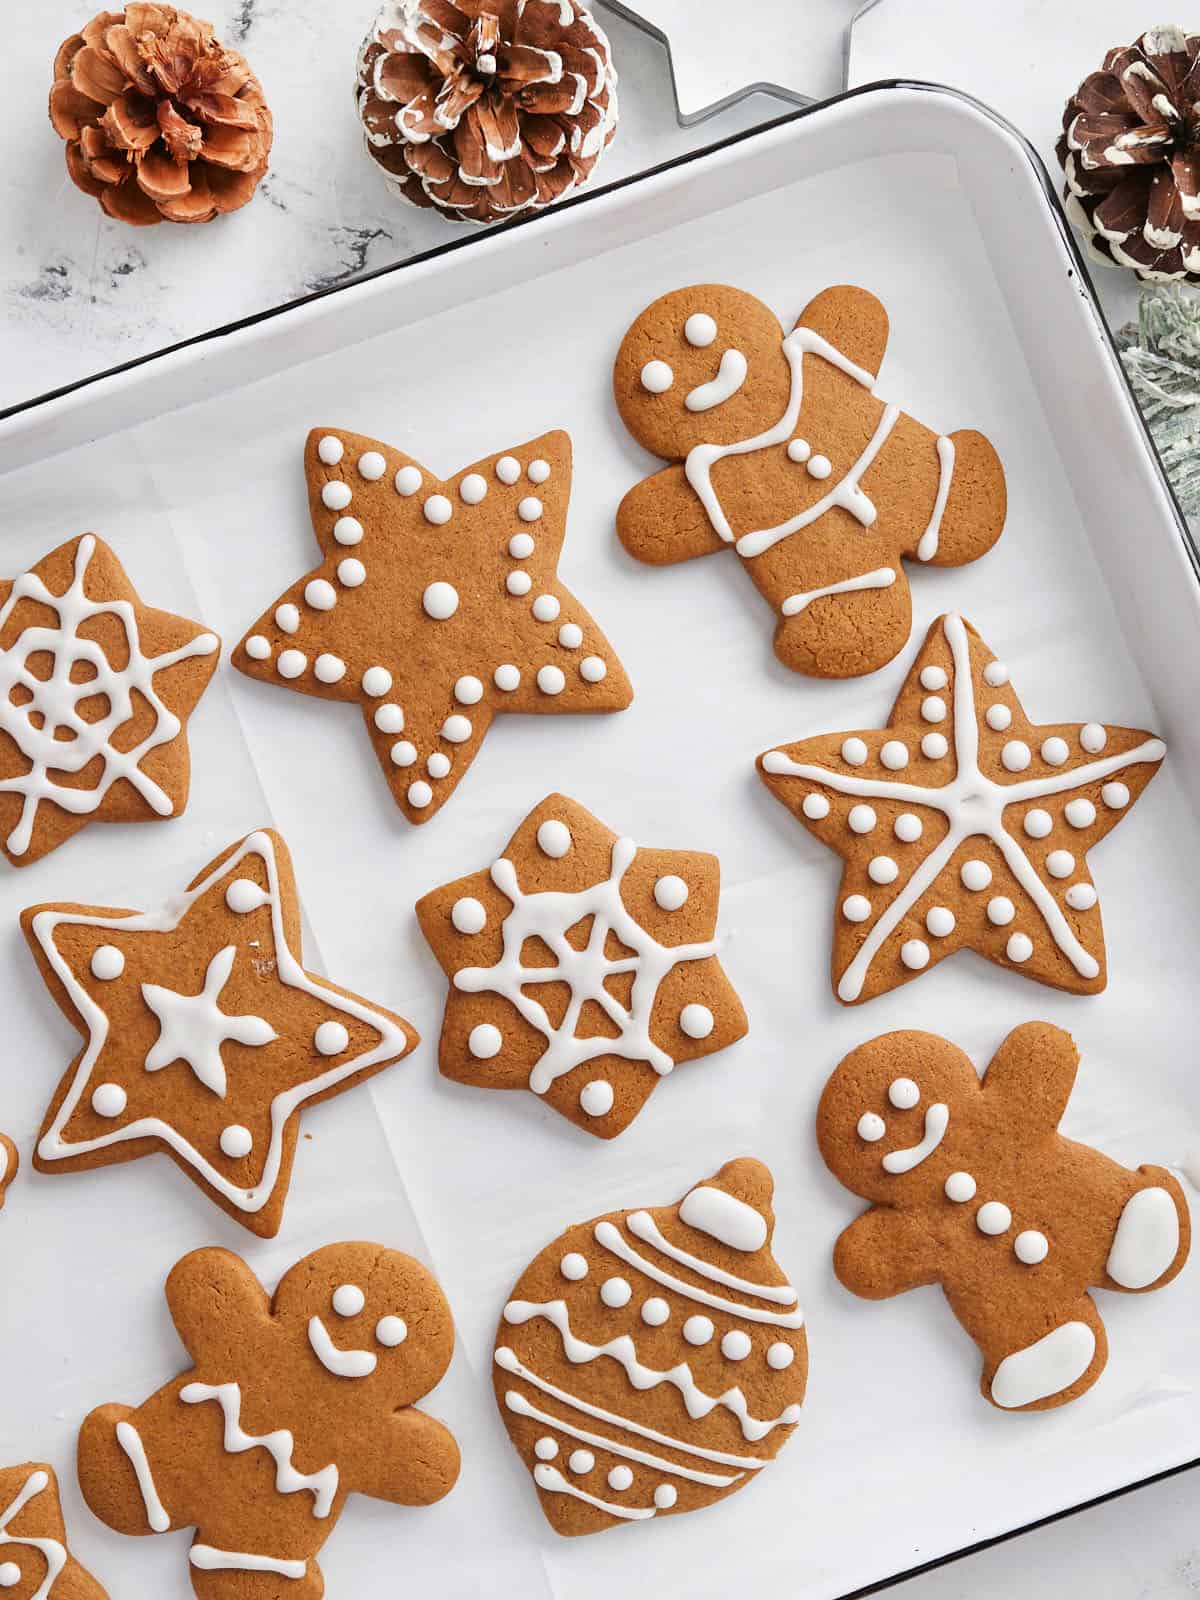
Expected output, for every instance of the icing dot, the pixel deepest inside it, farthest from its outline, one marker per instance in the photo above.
(934, 746)
(904, 1094)
(518, 583)
(998, 717)
(472, 489)
(1001, 911)
(419, 794)
(508, 469)
(554, 838)
(856, 908)
(520, 546)
(10, 1574)
(933, 678)
(960, 1187)
(391, 1331)
(995, 673)
(799, 450)
(915, 954)
(615, 1292)
(390, 718)
(933, 708)
(538, 471)
(592, 669)
(438, 764)
(1031, 1247)
(1080, 813)
(976, 875)
(871, 1127)
(440, 600)
(1037, 823)
(819, 466)
(1055, 751)
(993, 1217)
(570, 636)
(1115, 796)
(697, 1021)
(780, 1356)
(1093, 738)
(336, 496)
(1016, 755)
(665, 1496)
(861, 819)
(437, 509)
(698, 1330)
(457, 729)
(407, 481)
(573, 1266)
(371, 466)
(940, 921)
(109, 1100)
(331, 1038)
(700, 330)
(329, 668)
(291, 663)
(258, 648)
(550, 680)
(854, 751)
(655, 1312)
(403, 753)
(581, 1461)
(908, 828)
(376, 681)
(236, 1141)
(546, 608)
(596, 1098)
(506, 677)
(882, 869)
(529, 509)
(468, 691)
(619, 1478)
(546, 1448)
(468, 915)
(287, 617)
(107, 962)
(894, 755)
(351, 573)
(1019, 947)
(331, 450)
(670, 892)
(1081, 897)
(1060, 863)
(348, 530)
(736, 1346)
(657, 377)
(485, 1041)
(815, 807)
(348, 1300)
(244, 895)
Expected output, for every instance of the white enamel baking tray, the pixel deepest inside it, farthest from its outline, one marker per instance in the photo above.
(190, 464)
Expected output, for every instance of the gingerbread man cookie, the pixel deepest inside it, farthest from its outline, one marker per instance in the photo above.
(10, 1161)
(436, 607)
(964, 825)
(974, 1188)
(581, 967)
(95, 689)
(293, 1403)
(204, 1034)
(35, 1563)
(781, 450)
(651, 1362)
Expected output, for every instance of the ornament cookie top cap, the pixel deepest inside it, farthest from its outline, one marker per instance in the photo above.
(162, 122)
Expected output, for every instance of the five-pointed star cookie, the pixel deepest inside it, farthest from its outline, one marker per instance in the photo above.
(437, 606)
(581, 967)
(962, 823)
(204, 1035)
(34, 1559)
(95, 688)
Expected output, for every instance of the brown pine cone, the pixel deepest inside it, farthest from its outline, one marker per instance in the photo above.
(161, 121)
(1130, 148)
(486, 108)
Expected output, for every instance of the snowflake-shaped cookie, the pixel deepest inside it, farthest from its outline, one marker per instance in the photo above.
(95, 688)
(205, 1036)
(581, 967)
(436, 607)
(962, 823)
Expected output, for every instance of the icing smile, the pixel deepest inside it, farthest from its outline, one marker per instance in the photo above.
(341, 1363)
(730, 377)
(937, 1120)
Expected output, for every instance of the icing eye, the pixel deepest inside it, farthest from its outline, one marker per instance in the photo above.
(904, 1094)
(348, 1300)
(700, 330)
(657, 377)
(391, 1331)
(10, 1575)
(870, 1127)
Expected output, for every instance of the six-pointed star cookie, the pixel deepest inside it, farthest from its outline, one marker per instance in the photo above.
(581, 967)
(95, 688)
(34, 1559)
(204, 1033)
(437, 606)
(963, 824)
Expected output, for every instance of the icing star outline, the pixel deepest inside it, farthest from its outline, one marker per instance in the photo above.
(231, 1124)
(418, 572)
(980, 820)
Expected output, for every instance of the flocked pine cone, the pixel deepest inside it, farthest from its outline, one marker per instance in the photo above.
(1130, 148)
(161, 120)
(486, 108)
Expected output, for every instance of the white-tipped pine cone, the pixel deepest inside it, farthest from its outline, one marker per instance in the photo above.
(486, 108)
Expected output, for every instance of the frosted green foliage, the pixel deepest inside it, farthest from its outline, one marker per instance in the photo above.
(1161, 355)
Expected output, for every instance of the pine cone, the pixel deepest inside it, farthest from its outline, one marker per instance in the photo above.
(486, 108)
(161, 121)
(1130, 148)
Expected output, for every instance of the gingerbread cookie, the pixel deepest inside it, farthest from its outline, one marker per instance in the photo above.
(95, 689)
(204, 1035)
(35, 1563)
(781, 450)
(292, 1403)
(974, 1188)
(10, 1161)
(705, 1357)
(581, 967)
(436, 607)
(964, 824)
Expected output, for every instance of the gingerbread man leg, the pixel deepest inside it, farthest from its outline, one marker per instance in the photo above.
(1048, 1364)
(222, 1574)
(1153, 1234)
(116, 1476)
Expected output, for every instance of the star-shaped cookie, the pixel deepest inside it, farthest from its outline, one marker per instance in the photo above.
(437, 605)
(581, 967)
(34, 1559)
(204, 1035)
(962, 823)
(95, 689)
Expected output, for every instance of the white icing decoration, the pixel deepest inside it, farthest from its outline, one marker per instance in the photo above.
(856, 908)
(862, 819)
(341, 1363)
(1016, 755)
(552, 1481)
(554, 838)
(582, 1461)
(993, 1218)
(731, 375)
(914, 953)
(437, 509)
(1055, 751)
(665, 1496)
(538, 471)
(336, 495)
(550, 680)
(799, 451)
(371, 466)
(331, 450)
(655, 1312)
(908, 828)
(440, 600)
(570, 636)
(1093, 738)
(236, 1141)
(1115, 796)
(995, 674)
(934, 746)
(391, 1331)
(291, 663)
(819, 466)
(287, 617)
(1031, 1247)
(937, 1120)
(52, 1552)
(206, 1558)
(472, 489)
(904, 1094)
(108, 962)
(468, 690)
(1080, 813)
(1038, 824)
(596, 1098)
(520, 546)
(670, 892)
(894, 755)
(348, 1300)
(485, 1041)
(407, 481)
(815, 807)
(330, 1039)
(620, 1479)
(615, 1292)
(130, 1440)
(998, 717)
(976, 875)
(1081, 897)
(933, 708)
(546, 1448)
(573, 1266)
(518, 583)
(1060, 863)
(855, 752)
(700, 330)
(329, 668)
(613, 1240)
(871, 1127)
(258, 648)
(192, 1027)
(507, 677)
(403, 753)
(468, 915)
(780, 1356)
(1000, 911)
(724, 1217)
(593, 669)
(109, 1100)
(960, 1187)
(346, 530)
(657, 377)
(530, 508)
(940, 921)
(546, 608)
(933, 677)
(320, 594)
(1146, 1240)
(508, 469)
(696, 1021)
(322, 1485)
(457, 729)
(882, 869)
(389, 718)
(376, 681)
(880, 578)
(351, 572)
(1019, 947)
(735, 1345)
(927, 545)
(437, 765)
(1047, 1367)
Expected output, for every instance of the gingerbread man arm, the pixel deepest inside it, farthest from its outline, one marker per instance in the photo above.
(662, 520)
(884, 1252)
(1032, 1075)
(213, 1296)
(412, 1460)
(853, 321)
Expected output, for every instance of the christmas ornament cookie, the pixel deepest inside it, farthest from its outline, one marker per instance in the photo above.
(581, 967)
(292, 1403)
(964, 824)
(436, 607)
(782, 451)
(204, 1035)
(10, 1162)
(973, 1188)
(651, 1362)
(486, 109)
(35, 1563)
(95, 689)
